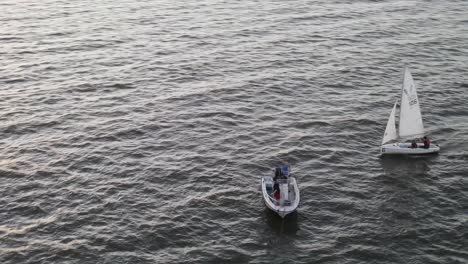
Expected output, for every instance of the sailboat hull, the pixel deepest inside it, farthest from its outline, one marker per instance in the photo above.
(405, 149)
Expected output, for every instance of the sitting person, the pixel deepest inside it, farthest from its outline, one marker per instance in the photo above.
(414, 144)
(427, 142)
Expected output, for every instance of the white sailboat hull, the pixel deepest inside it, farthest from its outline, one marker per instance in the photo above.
(405, 148)
(282, 208)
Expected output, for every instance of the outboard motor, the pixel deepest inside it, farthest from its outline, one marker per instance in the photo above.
(278, 173)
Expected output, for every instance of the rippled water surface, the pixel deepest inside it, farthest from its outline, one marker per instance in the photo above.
(137, 131)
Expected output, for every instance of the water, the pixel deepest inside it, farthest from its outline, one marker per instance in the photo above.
(137, 131)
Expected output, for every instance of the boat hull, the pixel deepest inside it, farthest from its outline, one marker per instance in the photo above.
(405, 149)
(281, 209)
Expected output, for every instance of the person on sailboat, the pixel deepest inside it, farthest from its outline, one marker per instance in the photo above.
(414, 144)
(427, 142)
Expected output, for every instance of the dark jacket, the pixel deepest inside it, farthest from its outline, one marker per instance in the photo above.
(427, 143)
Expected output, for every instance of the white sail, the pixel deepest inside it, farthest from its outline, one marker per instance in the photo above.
(390, 131)
(411, 124)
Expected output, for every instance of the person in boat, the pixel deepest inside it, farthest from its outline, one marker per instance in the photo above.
(427, 142)
(276, 190)
(414, 144)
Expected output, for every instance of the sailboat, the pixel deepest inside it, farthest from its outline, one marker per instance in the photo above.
(410, 123)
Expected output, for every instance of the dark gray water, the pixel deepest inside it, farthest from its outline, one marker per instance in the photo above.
(137, 131)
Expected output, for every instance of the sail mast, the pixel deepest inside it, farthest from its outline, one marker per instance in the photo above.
(401, 97)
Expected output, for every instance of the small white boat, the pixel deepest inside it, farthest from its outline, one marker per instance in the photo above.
(281, 194)
(410, 125)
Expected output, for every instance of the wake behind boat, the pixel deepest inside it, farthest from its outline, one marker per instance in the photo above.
(410, 124)
(281, 193)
